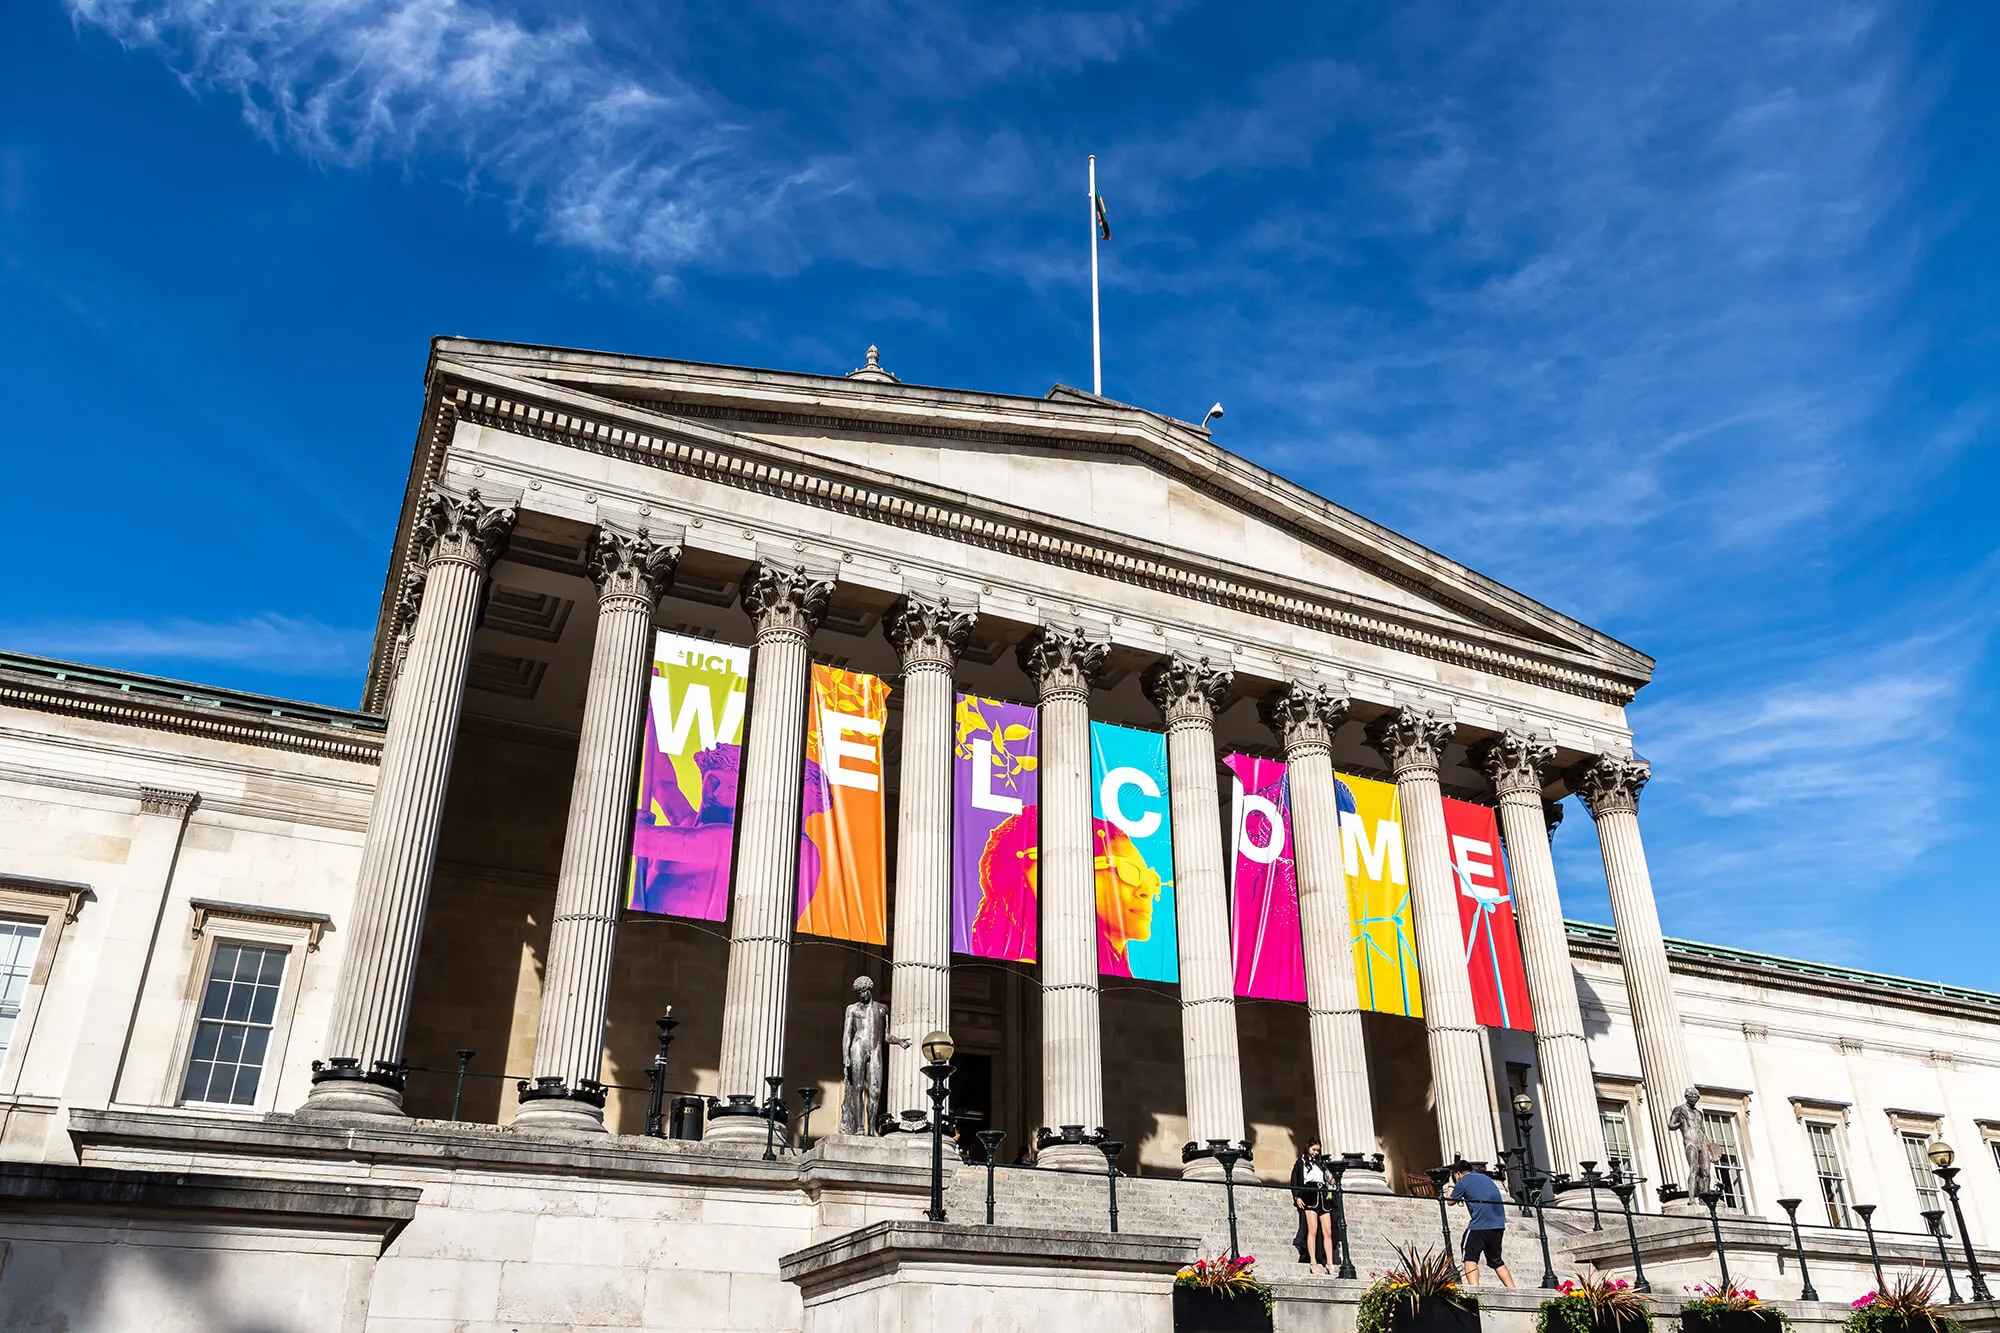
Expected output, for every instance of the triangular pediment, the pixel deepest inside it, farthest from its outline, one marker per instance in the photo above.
(1080, 468)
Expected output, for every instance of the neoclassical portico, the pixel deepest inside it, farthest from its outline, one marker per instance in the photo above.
(1101, 626)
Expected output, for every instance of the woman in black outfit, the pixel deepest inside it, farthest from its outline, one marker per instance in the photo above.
(1310, 1181)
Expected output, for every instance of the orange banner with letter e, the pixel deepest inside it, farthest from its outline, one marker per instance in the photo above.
(843, 865)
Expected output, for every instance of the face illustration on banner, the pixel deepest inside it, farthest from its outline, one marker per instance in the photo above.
(995, 829)
(1268, 947)
(685, 824)
(1132, 854)
(843, 863)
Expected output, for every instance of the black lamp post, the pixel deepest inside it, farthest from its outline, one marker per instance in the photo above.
(938, 1051)
(1867, 1211)
(1535, 1183)
(1623, 1188)
(1591, 1177)
(1941, 1156)
(1709, 1199)
(774, 1106)
(990, 1140)
(1339, 1167)
(1934, 1219)
(1524, 1148)
(1229, 1157)
(464, 1059)
(1440, 1177)
(1791, 1207)
(1111, 1148)
(656, 1077)
(809, 1099)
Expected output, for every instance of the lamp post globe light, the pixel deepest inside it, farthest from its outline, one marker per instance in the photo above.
(1942, 1157)
(938, 1050)
(1524, 1151)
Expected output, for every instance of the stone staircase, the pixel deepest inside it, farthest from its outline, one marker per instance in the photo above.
(1163, 1206)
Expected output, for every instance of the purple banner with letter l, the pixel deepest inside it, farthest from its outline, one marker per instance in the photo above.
(1264, 883)
(995, 829)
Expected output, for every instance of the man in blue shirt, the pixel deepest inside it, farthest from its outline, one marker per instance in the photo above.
(1485, 1223)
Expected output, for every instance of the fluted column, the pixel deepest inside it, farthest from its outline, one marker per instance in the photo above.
(457, 540)
(1305, 717)
(1517, 764)
(630, 574)
(928, 636)
(1610, 789)
(1413, 742)
(1063, 664)
(786, 605)
(1188, 691)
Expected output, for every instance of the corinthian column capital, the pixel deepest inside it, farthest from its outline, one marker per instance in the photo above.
(1613, 783)
(1304, 717)
(1062, 662)
(1516, 762)
(926, 633)
(637, 566)
(1411, 739)
(1552, 817)
(464, 528)
(1187, 690)
(786, 600)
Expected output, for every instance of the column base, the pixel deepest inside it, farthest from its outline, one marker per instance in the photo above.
(565, 1114)
(341, 1087)
(739, 1119)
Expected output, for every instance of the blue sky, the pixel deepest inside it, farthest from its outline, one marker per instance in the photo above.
(1678, 318)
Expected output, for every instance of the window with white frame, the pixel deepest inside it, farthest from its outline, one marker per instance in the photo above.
(1615, 1117)
(1825, 1144)
(20, 941)
(1994, 1144)
(1917, 1150)
(232, 1035)
(1725, 1147)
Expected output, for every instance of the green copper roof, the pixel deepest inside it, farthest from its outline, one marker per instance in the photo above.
(160, 688)
(1590, 930)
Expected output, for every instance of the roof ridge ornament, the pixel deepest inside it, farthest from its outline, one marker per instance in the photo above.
(873, 372)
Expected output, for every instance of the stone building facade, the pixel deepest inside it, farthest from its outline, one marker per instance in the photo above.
(248, 934)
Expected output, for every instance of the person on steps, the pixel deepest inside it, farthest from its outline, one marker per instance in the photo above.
(1485, 1223)
(1310, 1180)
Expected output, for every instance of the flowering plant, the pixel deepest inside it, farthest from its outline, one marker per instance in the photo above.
(1707, 1302)
(1906, 1304)
(1225, 1277)
(1427, 1276)
(1593, 1303)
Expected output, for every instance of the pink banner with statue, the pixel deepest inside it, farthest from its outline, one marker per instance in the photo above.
(1264, 886)
(995, 829)
(685, 825)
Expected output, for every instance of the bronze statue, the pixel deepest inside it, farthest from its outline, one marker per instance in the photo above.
(1685, 1120)
(864, 1061)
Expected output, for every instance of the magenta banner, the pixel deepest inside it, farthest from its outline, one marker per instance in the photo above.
(994, 830)
(1264, 884)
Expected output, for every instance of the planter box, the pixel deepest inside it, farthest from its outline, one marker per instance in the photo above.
(1198, 1310)
(1433, 1317)
(1732, 1321)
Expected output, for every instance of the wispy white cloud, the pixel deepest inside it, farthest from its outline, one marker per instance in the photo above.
(278, 644)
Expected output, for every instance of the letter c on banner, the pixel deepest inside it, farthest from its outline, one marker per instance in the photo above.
(1247, 846)
(1115, 781)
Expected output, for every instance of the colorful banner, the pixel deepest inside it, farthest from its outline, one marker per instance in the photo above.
(1378, 897)
(1264, 884)
(686, 819)
(1486, 917)
(994, 829)
(1133, 842)
(843, 867)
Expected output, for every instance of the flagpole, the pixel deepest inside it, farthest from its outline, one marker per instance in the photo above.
(1096, 343)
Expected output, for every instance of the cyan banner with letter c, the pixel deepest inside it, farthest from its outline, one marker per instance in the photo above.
(1132, 845)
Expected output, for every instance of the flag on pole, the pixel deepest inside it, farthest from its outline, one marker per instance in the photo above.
(1103, 222)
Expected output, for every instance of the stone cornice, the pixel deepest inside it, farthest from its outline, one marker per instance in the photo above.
(686, 447)
(162, 705)
(1065, 418)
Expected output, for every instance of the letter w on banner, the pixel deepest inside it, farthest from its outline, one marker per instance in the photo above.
(686, 820)
(843, 866)
(1486, 917)
(1264, 888)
